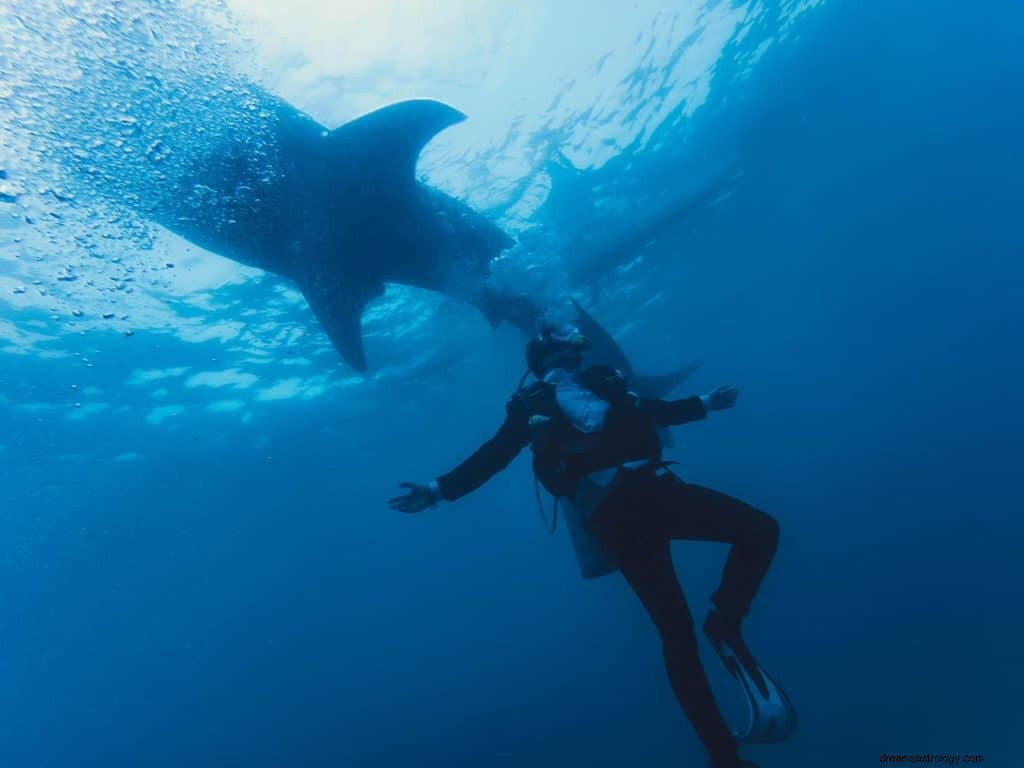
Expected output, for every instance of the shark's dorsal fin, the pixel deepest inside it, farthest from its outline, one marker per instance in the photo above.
(386, 143)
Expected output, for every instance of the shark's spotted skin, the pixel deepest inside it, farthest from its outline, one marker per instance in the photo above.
(339, 212)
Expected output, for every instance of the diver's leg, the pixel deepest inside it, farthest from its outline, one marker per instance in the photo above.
(692, 512)
(647, 566)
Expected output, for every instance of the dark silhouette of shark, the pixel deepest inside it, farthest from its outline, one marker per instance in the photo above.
(341, 213)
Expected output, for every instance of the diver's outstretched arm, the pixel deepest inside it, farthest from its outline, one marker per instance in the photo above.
(721, 399)
(670, 413)
(487, 461)
(415, 499)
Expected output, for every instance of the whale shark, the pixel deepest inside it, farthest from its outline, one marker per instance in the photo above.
(341, 214)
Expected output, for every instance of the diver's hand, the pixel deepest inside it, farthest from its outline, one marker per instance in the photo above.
(722, 398)
(415, 499)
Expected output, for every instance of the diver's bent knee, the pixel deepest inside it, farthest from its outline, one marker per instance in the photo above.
(764, 529)
(770, 528)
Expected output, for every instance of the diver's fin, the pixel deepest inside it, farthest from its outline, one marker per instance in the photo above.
(340, 312)
(387, 142)
(661, 385)
(772, 717)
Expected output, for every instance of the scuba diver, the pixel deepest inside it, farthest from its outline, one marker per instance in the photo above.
(591, 436)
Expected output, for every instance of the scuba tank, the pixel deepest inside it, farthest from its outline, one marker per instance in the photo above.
(559, 451)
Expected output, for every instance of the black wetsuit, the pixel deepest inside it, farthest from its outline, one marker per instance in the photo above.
(645, 509)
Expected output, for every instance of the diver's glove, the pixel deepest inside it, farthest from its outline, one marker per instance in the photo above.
(720, 399)
(416, 498)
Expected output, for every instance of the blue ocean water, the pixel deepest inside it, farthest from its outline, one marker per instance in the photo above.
(198, 564)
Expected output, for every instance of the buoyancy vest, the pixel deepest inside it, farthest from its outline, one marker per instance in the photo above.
(564, 454)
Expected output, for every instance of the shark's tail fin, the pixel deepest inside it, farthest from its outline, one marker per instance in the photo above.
(604, 347)
(662, 385)
(607, 350)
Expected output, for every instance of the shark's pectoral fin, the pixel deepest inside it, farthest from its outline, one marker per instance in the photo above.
(387, 142)
(340, 312)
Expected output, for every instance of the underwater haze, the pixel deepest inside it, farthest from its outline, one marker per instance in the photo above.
(197, 562)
